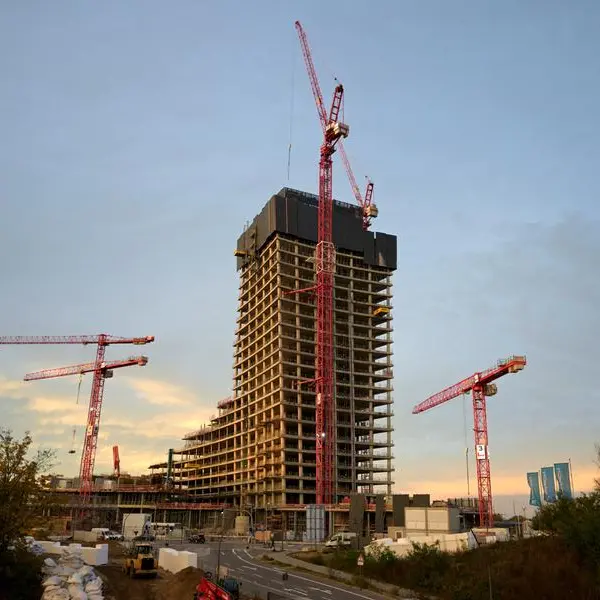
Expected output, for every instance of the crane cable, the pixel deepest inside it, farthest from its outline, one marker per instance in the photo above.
(72, 450)
(79, 387)
(466, 444)
(292, 94)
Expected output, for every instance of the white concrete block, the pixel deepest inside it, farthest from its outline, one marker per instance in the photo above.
(50, 547)
(190, 559)
(95, 556)
(174, 561)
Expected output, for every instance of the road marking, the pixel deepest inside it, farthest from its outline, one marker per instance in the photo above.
(267, 587)
(253, 568)
(320, 590)
(333, 587)
(296, 591)
(248, 553)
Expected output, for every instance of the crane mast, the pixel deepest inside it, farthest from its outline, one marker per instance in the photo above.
(479, 385)
(325, 268)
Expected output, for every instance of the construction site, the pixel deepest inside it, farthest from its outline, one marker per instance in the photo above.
(308, 424)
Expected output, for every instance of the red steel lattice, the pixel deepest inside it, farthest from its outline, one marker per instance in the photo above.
(479, 385)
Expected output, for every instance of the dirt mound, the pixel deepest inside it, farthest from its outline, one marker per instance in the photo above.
(167, 586)
(178, 585)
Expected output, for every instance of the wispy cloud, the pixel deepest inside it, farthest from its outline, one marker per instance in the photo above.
(160, 393)
(12, 388)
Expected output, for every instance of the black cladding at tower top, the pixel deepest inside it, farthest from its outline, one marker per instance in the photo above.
(294, 213)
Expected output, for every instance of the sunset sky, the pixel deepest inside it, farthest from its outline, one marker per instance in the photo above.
(140, 137)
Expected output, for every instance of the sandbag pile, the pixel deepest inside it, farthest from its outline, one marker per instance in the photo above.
(33, 546)
(70, 578)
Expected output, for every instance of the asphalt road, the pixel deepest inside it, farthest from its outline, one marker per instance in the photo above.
(259, 577)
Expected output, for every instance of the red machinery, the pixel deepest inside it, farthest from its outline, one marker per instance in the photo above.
(209, 590)
(116, 462)
(369, 210)
(101, 371)
(480, 385)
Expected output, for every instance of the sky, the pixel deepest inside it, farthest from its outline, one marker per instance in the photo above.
(140, 138)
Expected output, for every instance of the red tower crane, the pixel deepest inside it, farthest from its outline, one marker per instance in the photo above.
(333, 132)
(101, 371)
(116, 462)
(368, 209)
(480, 385)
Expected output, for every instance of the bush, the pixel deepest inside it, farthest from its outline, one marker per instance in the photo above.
(317, 559)
(575, 521)
(343, 560)
(426, 567)
(20, 575)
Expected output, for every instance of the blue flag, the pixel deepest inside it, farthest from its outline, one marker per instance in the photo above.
(563, 479)
(533, 480)
(548, 484)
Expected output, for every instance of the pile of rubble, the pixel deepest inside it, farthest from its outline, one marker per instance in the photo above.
(70, 578)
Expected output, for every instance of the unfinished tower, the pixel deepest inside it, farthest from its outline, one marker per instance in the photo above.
(260, 450)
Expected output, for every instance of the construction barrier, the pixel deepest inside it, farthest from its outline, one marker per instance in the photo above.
(175, 561)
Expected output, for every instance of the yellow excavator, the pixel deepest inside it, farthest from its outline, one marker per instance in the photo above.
(141, 561)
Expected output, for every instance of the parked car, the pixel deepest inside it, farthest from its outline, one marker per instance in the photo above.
(197, 538)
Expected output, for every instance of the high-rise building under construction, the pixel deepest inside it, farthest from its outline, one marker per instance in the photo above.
(260, 448)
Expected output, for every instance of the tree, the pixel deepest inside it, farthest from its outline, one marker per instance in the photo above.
(597, 480)
(21, 505)
(576, 521)
(21, 493)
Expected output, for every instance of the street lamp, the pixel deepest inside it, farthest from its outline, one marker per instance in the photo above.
(219, 546)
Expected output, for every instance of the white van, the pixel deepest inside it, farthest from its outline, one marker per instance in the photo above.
(343, 538)
(101, 532)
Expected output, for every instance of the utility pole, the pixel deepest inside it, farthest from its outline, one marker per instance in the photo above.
(218, 574)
